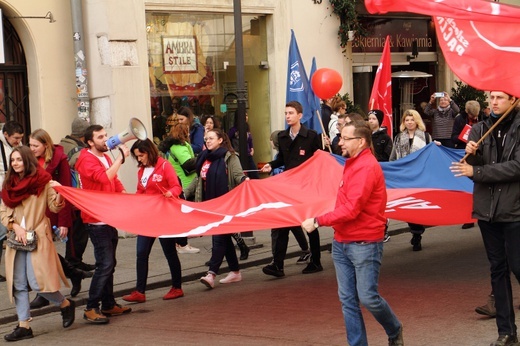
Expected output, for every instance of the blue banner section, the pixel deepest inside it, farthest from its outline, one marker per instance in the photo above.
(426, 168)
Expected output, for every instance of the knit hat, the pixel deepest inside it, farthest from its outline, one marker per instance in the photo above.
(78, 127)
(379, 115)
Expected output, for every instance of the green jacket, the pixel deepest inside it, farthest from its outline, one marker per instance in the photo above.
(235, 176)
(179, 154)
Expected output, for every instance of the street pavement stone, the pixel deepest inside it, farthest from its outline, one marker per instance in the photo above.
(433, 292)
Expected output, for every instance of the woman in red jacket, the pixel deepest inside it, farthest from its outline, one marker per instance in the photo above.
(155, 176)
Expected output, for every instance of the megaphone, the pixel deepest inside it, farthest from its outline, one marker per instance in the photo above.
(136, 130)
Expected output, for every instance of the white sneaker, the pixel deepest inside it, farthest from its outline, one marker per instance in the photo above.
(208, 280)
(232, 277)
(187, 249)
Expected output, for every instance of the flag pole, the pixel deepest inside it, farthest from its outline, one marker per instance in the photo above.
(513, 106)
(323, 133)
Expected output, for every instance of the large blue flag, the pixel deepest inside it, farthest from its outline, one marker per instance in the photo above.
(314, 101)
(298, 86)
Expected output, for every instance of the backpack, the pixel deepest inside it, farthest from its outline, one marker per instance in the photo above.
(74, 175)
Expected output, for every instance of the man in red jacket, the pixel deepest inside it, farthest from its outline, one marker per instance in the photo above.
(97, 172)
(359, 225)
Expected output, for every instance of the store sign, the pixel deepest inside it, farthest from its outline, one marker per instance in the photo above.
(179, 54)
(402, 32)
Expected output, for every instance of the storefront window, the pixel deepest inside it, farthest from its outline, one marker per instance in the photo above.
(191, 58)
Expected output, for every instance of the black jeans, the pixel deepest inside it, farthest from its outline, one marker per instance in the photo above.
(281, 237)
(144, 247)
(223, 246)
(104, 238)
(78, 239)
(502, 241)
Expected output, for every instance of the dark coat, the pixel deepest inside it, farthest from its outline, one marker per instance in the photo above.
(295, 152)
(496, 190)
(382, 144)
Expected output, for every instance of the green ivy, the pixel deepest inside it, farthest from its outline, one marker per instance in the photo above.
(351, 106)
(464, 93)
(349, 20)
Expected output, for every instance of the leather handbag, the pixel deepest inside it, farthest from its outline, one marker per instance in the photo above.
(31, 241)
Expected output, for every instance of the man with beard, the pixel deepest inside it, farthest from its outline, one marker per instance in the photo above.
(97, 172)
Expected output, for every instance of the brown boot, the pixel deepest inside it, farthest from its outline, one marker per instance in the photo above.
(488, 309)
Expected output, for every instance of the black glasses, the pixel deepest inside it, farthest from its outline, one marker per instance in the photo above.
(349, 138)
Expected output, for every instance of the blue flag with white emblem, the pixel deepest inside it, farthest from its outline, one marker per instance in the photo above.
(298, 86)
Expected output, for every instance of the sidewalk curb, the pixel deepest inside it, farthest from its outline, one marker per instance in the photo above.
(166, 283)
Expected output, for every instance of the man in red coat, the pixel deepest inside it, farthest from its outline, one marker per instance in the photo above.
(359, 224)
(97, 172)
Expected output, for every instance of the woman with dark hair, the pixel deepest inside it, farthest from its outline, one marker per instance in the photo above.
(185, 116)
(210, 122)
(155, 176)
(233, 136)
(27, 193)
(218, 171)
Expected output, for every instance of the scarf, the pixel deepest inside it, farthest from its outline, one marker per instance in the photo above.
(402, 143)
(217, 176)
(20, 189)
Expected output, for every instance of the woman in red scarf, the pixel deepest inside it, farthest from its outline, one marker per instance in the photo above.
(27, 192)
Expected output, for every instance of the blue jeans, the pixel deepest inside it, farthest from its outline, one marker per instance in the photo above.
(23, 277)
(502, 240)
(223, 247)
(357, 272)
(144, 247)
(104, 238)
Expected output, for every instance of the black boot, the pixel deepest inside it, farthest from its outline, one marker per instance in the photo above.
(416, 242)
(38, 302)
(244, 249)
(68, 314)
(75, 275)
(19, 333)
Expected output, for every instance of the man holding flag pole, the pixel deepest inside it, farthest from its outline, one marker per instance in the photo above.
(479, 40)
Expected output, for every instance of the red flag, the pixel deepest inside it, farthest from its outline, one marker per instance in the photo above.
(479, 39)
(381, 96)
(283, 200)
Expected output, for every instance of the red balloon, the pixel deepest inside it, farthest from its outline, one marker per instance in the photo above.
(326, 83)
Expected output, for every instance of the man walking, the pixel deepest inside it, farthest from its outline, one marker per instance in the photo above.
(359, 225)
(97, 172)
(494, 166)
(78, 236)
(297, 144)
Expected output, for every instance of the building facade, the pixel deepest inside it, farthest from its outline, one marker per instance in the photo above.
(145, 58)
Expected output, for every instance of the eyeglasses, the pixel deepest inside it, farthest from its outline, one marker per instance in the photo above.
(349, 138)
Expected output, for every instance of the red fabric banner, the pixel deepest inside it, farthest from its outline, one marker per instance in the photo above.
(381, 96)
(479, 39)
(279, 201)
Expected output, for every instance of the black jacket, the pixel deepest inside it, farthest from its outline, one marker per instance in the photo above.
(382, 144)
(496, 190)
(293, 153)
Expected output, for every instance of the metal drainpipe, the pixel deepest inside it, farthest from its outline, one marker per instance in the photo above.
(80, 59)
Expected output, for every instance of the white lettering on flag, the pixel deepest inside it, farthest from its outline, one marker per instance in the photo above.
(410, 203)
